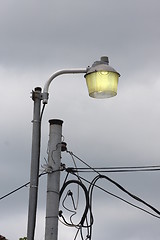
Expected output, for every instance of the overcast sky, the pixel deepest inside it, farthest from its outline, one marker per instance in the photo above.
(36, 39)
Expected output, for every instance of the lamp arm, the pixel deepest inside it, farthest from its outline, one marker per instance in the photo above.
(54, 75)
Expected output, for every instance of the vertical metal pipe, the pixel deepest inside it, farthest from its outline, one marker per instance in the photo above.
(53, 180)
(34, 172)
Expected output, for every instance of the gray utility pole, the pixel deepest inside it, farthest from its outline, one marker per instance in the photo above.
(33, 194)
(36, 132)
(53, 179)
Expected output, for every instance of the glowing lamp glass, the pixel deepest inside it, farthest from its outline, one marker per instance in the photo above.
(102, 84)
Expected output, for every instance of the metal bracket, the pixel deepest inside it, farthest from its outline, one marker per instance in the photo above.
(36, 94)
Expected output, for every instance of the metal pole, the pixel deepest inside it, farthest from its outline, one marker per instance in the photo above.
(33, 194)
(53, 179)
(56, 74)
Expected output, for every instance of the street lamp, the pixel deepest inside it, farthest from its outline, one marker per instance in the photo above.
(102, 81)
(101, 78)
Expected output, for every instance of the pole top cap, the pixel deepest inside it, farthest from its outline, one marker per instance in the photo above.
(56, 122)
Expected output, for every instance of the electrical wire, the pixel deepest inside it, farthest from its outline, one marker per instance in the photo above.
(120, 198)
(42, 111)
(90, 192)
(118, 185)
(74, 162)
(72, 154)
(127, 167)
(24, 185)
(134, 168)
(76, 234)
(69, 193)
(75, 171)
(86, 199)
(17, 189)
(88, 225)
(116, 170)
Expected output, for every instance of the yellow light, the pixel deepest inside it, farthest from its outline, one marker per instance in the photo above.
(102, 84)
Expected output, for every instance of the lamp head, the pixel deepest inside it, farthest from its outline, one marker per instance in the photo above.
(102, 79)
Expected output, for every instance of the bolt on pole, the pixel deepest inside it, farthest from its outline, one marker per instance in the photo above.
(53, 179)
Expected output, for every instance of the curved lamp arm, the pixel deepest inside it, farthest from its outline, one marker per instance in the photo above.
(54, 75)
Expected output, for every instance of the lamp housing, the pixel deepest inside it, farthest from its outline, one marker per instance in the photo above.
(102, 79)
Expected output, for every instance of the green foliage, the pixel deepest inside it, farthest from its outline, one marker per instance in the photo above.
(23, 238)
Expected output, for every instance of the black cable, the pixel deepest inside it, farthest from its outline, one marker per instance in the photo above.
(17, 189)
(130, 194)
(115, 171)
(75, 171)
(89, 224)
(127, 167)
(151, 168)
(81, 233)
(118, 185)
(120, 198)
(86, 198)
(88, 230)
(76, 234)
(42, 111)
(78, 178)
(90, 193)
(72, 154)
(69, 193)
